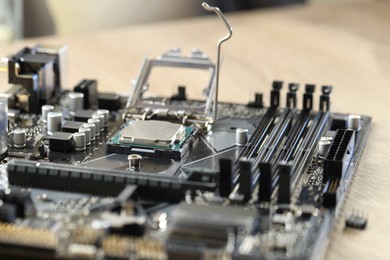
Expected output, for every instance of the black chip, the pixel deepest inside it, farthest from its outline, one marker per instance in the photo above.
(71, 126)
(109, 101)
(83, 115)
(61, 142)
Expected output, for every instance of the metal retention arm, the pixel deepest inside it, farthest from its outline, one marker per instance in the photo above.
(222, 40)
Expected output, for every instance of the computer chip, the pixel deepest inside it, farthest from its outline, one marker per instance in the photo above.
(152, 138)
(152, 132)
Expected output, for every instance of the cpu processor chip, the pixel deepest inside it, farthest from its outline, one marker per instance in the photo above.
(153, 133)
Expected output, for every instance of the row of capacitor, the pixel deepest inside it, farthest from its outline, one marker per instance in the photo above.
(83, 136)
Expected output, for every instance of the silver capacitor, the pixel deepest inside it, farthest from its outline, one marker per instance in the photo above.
(354, 122)
(75, 102)
(79, 141)
(323, 146)
(101, 119)
(106, 115)
(87, 132)
(92, 128)
(19, 138)
(54, 120)
(96, 122)
(45, 110)
(241, 136)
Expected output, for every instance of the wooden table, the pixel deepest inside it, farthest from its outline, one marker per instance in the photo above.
(347, 46)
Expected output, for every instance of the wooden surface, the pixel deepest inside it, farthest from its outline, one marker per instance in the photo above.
(347, 46)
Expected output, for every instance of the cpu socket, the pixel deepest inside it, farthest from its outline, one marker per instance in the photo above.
(137, 104)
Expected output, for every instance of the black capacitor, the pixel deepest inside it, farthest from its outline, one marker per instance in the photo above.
(61, 142)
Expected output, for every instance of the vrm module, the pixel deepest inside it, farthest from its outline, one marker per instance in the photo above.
(86, 174)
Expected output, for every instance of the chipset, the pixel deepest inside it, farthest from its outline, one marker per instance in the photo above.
(152, 138)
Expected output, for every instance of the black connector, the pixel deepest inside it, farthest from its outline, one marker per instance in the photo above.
(325, 98)
(275, 93)
(245, 178)
(292, 95)
(101, 182)
(308, 97)
(265, 182)
(284, 182)
(258, 103)
(340, 154)
(225, 177)
(329, 194)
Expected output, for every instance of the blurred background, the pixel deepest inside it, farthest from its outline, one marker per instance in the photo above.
(32, 18)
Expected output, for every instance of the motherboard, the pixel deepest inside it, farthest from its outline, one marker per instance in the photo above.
(86, 174)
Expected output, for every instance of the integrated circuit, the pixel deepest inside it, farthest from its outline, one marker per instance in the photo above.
(151, 137)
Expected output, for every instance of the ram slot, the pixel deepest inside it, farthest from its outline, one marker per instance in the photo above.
(269, 147)
(318, 128)
(294, 138)
(268, 150)
(271, 162)
(261, 132)
(256, 141)
(302, 150)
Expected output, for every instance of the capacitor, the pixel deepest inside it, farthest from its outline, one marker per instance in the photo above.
(354, 122)
(45, 110)
(101, 119)
(19, 138)
(75, 102)
(96, 122)
(87, 132)
(323, 147)
(79, 141)
(241, 136)
(54, 120)
(92, 128)
(134, 162)
(106, 115)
